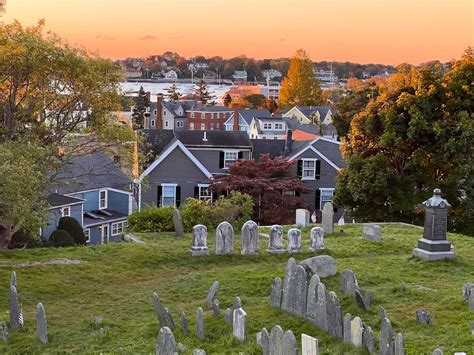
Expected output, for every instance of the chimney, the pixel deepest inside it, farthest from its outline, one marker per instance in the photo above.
(159, 111)
(236, 118)
(289, 140)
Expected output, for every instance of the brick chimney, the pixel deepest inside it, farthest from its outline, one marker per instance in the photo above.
(159, 111)
(236, 118)
(289, 141)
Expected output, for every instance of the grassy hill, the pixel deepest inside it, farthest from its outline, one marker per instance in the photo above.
(117, 281)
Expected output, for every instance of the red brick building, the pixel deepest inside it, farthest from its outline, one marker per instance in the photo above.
(207, 118)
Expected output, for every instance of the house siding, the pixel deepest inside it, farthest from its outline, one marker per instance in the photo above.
(210, 158)
(55, 214)
(119, 201)
(91, 197)
(331, 151)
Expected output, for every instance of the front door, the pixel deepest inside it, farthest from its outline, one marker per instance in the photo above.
(105, 233)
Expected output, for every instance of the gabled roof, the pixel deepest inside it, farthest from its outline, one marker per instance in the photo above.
(174, 106)
(275, 147)
(310, 146)
(58, 200)
(246, 116)
(156, 140)
(215, 139)
(310, 110)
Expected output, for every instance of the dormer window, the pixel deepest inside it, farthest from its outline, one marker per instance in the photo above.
(267, 126)
(279, 126)
(102, 199)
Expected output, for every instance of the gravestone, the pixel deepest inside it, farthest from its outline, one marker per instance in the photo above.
(347, 328)
(294, 289)
(199, 246)
(178, 223)
(302, 217)
(264, 341)
(434, 244)
(249, 236)
(312, 298)
(320, 313)
(211, 294)
(367, 299)
(360, 300)
(15, 311)
(309, 345)
(368, 340)
(200, 329)
(184, 322)
(275, 241)
(41, 324)
(166, 344)
(357, 330)
(383, 313)
(349, 283)
(398, 345)
(199, 352)
(216, 310)
(237, 302)
(290, 345)
(13, 279)
(169, 318)
(239, 324)
(294, 240)
(275, 294)
(437, 351)
(334, 315)
(327, 219)
(321, 265)
(224, 239)
(386, 337)
(468, 294)
(3, 332)
(228, 315)
(423, 316)
(372, 232)
(316, 242)
(276, 341)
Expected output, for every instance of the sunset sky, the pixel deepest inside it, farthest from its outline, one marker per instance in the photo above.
(365, 31)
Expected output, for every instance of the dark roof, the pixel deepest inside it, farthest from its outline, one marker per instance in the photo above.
(55, 200)
(156, 140)
(214, 138)
(274, 147)
(308, 110)
(212, 109)
(104, 216)
(248, 114)
(308, 128)
(173, 106)
(89, 172)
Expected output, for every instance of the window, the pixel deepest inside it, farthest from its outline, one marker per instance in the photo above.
(243, 129)
(212, 126)
(204, 192)
(326, 196)
(65, 212)
(192, 114)
(166, 123)
(218, 115)
(217, 125)
(118, 227)
(203, 126)
(169, 195)
(279, 126)
(87, 233)
(164, 112)
(155, 112)
(288, 193)
(229, 158)
(102, 199)
(179, 124)
(153, 123)
(191, 126)
(267, 126)
(309, 169)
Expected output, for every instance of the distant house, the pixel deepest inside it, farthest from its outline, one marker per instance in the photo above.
(307, 118)
(327, 76)
(206, 118)
(240, 75)
(271, 74)
(267, 128)
(169, 114)
(93, 190)
(171, 74)
(164, 64)
(244, 119)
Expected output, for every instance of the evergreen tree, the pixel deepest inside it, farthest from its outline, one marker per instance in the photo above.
(142, 102)
(271, 105)
(172, 93)
(202, 93)
(227, 100)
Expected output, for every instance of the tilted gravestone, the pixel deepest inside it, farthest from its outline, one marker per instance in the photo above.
(294, 240)
(372, 232)
(164, 317)
(275, 294)
(398, 345)
(347, 328)
(327, 219)
(169, 318)
(184, 322)
(349, 283)
(166, 344)
(309, 345)
(224, 239)
(434, 244)
(312, 298)
(316, 239)
(200, 329)
(290, 345)
(15, 311)
(13, 279)
(239, 324)
(41, 324)
(3, 332)
(263, 339)
(357, 330)
(334, 315)
(321, 313)
(199, 246)
(211, 294)
(386, 337)
(294, 289)
(302, 217)
(178, 223)
(276, 341)
(368, 340)
(275, 241)
(249, 236)
(468, 294)
(360, 300)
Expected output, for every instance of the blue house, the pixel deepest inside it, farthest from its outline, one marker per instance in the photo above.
(96, 192)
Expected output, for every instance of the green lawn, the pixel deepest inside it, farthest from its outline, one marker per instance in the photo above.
(117, 282)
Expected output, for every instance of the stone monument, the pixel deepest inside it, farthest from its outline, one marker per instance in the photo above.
(178, 223)
(327, 218)
(275, 242)
(199, 246)
(302, 217)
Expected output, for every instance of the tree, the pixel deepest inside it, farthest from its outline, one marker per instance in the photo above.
(300, 86)
(202, 93)
(173, 94)
(227, 100)
(271, 105)
(254, 101)
(266, 180)
(72, 226)
(142, 103)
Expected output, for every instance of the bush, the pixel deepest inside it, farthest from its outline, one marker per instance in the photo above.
(152, 219)
(72, 226)
(22, 239)
(195, 211)
(61, 238)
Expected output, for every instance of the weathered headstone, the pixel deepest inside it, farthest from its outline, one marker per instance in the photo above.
(360, 300)
(178, 223)
(372, 232)
(237, 302)
(290, 345)
(239, 324)
(169, 318)
(321, 265)
(320, 313)
(166, 344)
(41, 324)
(367, 299)
(437, 351)
(294, 289)
(264, 341)
(327, 219)
(249, 236)
(228, 315)
(15, 311)
(334, 315)
(216, 310)
(13, 279)
(199, 352)
(309, 345)
(383, 313)
(316, 241)
(200, 329)
(199, 246)
(468, 294)
(312, 298)
(211, 294)
(386, 337)
(294, 240)
(184, 322)
(368, 340)
(398, 345)
(224, 239)
(3, 332)
(276, 341)
(434, 244)
(349, 283)
(357, 330)
(275, 241)
(275, 295)
(347, 329)
(302, 217)
(423, 316)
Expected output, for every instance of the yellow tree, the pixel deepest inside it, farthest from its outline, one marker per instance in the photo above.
(300, 86)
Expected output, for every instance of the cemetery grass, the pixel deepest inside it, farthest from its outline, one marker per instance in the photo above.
(117, 280)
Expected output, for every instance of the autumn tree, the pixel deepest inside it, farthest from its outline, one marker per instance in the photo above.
(142, 104)
(271, 105)
(227, 100)
(300, 86)
(269, 182)
(172, 93)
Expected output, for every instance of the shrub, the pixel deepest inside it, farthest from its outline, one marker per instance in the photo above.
(22, 239)
(152, 219)
(72, 226)
(61, 238)
(236, 209)
(195, 211)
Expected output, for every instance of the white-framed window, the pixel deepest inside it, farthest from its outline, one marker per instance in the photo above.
(267, 125)
(66, 212)
(203, 126)
(164, 112)
(217, 125)
(279, 126)
(166, 123)
(230, 156)
(212, 126)
(204, 192)
(191, 126)
(118, 227)
(153, 123)
(87, 233)
(168, 197)
(243, 128)
(308, 169)
(288, 193)
(102, 199)
(326, 196)
(155, 112)
(218, 115)
(192, 114)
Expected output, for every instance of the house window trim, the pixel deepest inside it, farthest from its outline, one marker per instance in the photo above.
(303, 169)
(87, 234)
(152, 123)
(123, 225)
(236, 151)
(68, 209)
(279, 129)
(192, 114)
(267, 126)
(191, 126)
(106, 199)
(163, 193)
(203, 197)
(321, 202)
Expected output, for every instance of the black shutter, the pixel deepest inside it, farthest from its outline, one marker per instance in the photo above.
(178, 196)
(196, 191)
(300, 168)
(160, 194)
(318, 169)
(221, 160)
(297, 193)
(241, 155)
(215, 196)
(317, 201)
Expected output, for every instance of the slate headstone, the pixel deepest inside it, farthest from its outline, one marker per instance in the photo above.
(294, 289)
(302, 217)
(320, 313)
(368, 340)
(275, 295)
(224, 239)
(321, 265)
(316, 241)
(41, 324)
(200, 329)
(249, 236)
(211, 294)
(290, 345)
(372, 232)
(13, 279)
(294, 240)
(276, 341)
(398, 345)
(3, 332)
(166, 344)
(228, 315)
(334, 315)
(383, 313)
(386, 337)
(184, 322)
(349, 283)
(275, 241)
(199, 246)
(15, 311)
(237, 302)
(423, 316)
(357, 330)
(178, 223)
(347, 329)
(367, 299)
(360, 300)
(265, 341)
(312, 298)
(309, 345)
(239, 324)
(216, 310)
(468, 294)
(327, 219)
(169, 318)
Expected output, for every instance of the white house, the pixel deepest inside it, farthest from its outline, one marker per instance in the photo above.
(171, 75)
(267, 128)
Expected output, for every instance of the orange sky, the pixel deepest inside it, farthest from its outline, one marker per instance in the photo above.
(375, 31)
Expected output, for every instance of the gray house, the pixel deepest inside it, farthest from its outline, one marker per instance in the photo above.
(169, 115)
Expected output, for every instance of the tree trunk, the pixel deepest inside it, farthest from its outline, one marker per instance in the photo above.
(6, 233)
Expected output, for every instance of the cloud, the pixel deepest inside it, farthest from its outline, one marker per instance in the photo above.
(106, 38)
(147, 38)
